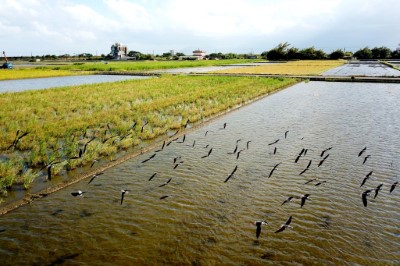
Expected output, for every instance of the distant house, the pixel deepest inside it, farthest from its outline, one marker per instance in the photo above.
(199, 54)
(119, 51)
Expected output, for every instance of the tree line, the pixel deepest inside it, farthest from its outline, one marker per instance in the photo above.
(283, 51)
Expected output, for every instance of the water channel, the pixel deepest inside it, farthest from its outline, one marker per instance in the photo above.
(44, 83)
(187, 214)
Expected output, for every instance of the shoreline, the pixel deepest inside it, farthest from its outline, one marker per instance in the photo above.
(30, 197)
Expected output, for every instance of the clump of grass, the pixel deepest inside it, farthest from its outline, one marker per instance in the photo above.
(27, 178)
(9, 170)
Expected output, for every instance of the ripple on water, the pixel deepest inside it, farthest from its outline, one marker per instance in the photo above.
(206, 221)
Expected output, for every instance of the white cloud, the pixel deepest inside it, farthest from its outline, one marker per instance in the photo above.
(217, 25)
(130, 15)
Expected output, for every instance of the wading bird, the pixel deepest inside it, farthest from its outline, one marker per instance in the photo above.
(272, 143)
(258, 227)
(123, 192)
(273, 169)
(364, 196)
(323, 152)
(151, 157)
(162, 147)
(377, 190)
(323, 160)
(166, 183)
(362, 151)
(393, 186)
(17, 139)
(309, 181)
(247, 144)
(208, 154)
(77, 193)
(303, 199)
(287, 200)
(231, 174)
(320, 183)
(94, 161)
(94, 176)
(302, 172)
(285, 225)
(238, 154)
(366, 178)
(152, 176)
(365, 158)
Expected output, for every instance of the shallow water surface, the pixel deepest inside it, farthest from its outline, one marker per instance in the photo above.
(363, 68)
(206, 221)
(44, 83)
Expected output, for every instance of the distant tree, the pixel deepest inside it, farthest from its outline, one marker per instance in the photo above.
(279, 52)
(275, 55)
(364, 53)
(381, 52)
(335, 55)
(395, 54)
(146, 57)
(264, 54)
(166, 55)
(180, 54)
(214, 56)
(349, 54)
(293, 53)
(311, 53)
(230, 56)
(136, 54)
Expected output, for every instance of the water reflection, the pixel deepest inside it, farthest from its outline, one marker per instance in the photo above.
(206, 221)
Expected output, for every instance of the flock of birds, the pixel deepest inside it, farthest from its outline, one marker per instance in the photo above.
(323, 156)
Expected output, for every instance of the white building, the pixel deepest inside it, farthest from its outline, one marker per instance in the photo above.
(119, 51)
(199, 54)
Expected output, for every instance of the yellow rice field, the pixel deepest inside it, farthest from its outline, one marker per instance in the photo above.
(24, 73)
(304, 67)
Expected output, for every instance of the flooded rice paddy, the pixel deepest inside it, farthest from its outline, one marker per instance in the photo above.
(186, 214)
(44, 83)
(363, 68)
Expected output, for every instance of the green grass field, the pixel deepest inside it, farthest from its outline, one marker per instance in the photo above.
(61, 121)
(139, 66)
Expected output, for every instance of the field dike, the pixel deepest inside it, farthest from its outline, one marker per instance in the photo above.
(30, 197)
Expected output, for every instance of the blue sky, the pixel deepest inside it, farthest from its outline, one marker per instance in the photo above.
(57, 27)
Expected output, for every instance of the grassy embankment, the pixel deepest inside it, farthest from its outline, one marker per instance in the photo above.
(138, 66)
(390, 65)
(61, 121)
(305, 67)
